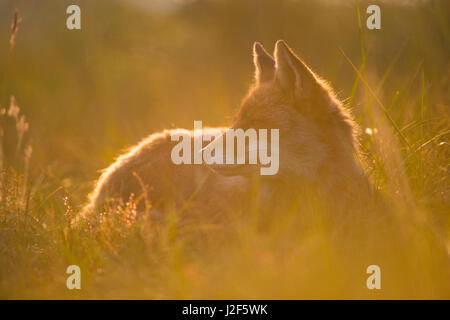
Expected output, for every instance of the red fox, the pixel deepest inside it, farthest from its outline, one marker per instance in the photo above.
(317, 151)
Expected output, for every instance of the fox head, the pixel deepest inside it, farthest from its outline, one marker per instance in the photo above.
(316, 136)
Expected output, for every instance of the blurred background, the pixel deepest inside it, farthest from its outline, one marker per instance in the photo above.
(139, 66)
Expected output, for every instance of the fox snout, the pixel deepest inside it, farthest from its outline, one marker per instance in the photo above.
(242, 153)
(219, 159)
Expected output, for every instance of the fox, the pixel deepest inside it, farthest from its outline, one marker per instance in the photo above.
(318, 152)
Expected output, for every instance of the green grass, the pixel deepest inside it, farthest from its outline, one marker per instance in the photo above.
(87, 95)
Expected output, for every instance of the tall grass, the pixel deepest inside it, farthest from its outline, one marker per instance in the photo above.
(109, 85)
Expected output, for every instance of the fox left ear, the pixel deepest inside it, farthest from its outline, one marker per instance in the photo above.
(293, 75)
(264, 64)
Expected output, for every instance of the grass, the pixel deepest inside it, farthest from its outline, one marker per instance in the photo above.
(68, 120)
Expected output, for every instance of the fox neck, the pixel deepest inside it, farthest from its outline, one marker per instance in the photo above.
(343, 182)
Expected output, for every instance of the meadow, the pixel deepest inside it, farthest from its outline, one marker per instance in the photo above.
(72, 100)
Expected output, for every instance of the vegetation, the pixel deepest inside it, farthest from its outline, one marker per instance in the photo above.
(70, 101)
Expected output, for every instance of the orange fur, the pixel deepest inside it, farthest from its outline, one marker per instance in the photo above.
(318, 149)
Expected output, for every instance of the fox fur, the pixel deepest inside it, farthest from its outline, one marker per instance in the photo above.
(318, 153)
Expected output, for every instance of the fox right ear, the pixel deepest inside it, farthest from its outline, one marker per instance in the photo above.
(293, 75)
(264, 64)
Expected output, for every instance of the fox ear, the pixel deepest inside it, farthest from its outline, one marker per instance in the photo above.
(264, 64)
(293, 75)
